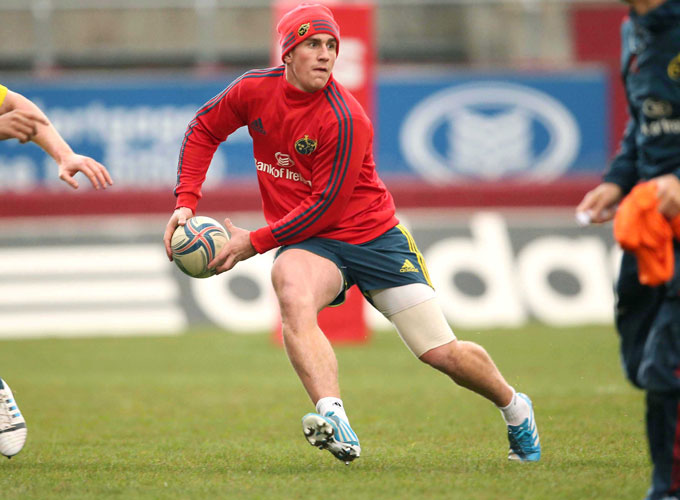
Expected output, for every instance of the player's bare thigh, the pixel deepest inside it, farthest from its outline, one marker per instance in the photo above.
(305, 279)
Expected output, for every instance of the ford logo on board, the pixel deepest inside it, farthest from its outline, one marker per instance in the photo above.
(489, 131)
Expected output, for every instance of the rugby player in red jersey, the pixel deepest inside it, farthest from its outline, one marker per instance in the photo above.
(333, 222)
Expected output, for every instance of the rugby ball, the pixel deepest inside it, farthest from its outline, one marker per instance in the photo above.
(196, 243)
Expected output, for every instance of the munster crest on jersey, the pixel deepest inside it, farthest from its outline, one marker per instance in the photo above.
(304, 28)
(305, 146)
(674, 68)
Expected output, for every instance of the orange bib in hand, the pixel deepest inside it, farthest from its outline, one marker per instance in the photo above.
(640, 228)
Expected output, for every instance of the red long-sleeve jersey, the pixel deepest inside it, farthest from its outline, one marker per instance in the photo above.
(313, 154)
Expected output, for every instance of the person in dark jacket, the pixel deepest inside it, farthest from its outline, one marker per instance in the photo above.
(648, 317)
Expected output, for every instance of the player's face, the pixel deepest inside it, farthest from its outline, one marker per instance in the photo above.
(309, 64)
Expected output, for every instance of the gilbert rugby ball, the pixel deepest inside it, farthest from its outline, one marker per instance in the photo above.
(196, 243)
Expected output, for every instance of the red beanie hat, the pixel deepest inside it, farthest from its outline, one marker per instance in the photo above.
(305, 20)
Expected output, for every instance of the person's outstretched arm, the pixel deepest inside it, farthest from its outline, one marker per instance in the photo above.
(22, 119)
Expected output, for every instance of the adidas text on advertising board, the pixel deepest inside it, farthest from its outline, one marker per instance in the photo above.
(490, 270)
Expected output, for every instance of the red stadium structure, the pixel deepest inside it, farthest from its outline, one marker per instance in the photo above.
(596, 38)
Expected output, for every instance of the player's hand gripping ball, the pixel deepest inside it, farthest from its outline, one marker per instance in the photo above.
(196, 243)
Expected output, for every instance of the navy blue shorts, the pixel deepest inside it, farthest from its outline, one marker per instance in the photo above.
(390, 260)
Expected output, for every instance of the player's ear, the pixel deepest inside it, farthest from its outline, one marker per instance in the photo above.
(288, 58)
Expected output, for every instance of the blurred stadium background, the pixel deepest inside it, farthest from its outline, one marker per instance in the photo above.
(492, 120)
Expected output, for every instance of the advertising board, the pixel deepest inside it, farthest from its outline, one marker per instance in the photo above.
(438, 129)
(92, 276)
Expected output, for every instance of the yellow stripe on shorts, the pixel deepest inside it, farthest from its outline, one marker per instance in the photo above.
(414, 248)
(3, 93)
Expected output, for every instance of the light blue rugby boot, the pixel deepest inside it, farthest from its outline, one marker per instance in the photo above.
(330, 432)
(525, 445)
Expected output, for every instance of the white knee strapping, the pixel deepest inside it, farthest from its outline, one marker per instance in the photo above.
(390, 301)
(422, 325)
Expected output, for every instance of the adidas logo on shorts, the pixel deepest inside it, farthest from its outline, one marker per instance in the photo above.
(408, 267)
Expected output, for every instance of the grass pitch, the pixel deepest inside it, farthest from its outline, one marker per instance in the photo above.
(214, 415)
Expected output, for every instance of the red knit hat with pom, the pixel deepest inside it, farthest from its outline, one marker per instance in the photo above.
(305, 20)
